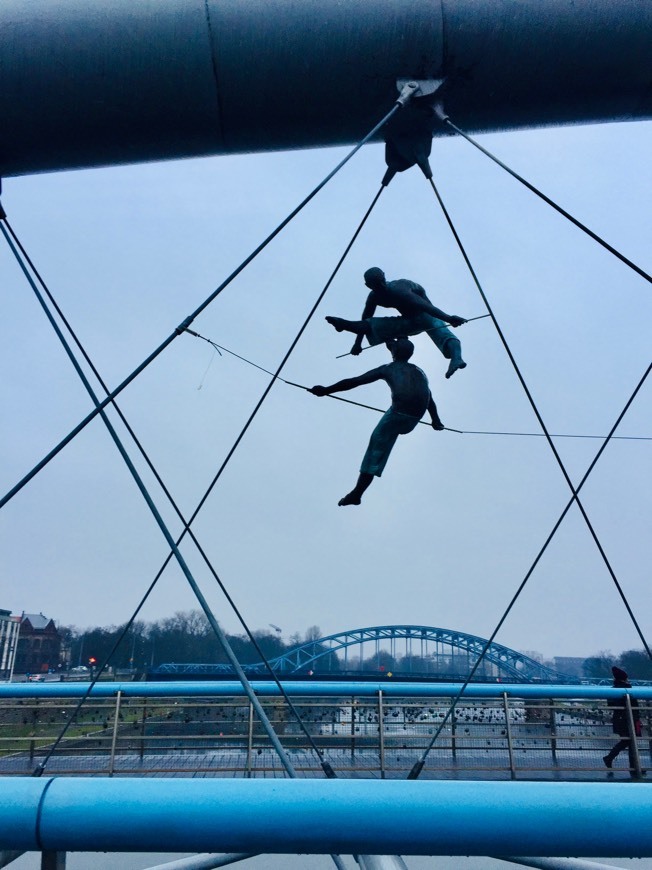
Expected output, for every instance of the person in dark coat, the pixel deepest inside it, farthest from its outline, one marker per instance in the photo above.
(620, 723)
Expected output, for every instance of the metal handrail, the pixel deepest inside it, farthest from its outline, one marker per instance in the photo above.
(554, 738)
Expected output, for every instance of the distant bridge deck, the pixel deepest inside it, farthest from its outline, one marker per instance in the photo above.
(499, 732)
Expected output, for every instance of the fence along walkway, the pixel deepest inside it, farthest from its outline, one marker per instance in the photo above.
(372, 731)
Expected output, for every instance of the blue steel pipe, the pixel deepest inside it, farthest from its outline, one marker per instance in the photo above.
(316, 688)
(326, 816)
(116, 81)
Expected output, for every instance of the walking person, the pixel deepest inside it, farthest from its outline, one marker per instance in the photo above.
(621, 725)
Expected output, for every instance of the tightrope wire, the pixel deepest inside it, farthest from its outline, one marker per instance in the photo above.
(221, 347)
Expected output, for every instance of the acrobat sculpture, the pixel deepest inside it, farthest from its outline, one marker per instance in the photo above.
(411, 398)
(418, 314)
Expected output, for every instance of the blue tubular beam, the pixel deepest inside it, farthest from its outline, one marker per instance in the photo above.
(20, 800)
(315, 688)
(327, 816)
(90, 84)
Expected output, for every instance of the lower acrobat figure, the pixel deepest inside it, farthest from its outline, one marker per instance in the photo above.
(417, 314)
(411, 398)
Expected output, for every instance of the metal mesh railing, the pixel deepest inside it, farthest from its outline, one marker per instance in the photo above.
(375, 736)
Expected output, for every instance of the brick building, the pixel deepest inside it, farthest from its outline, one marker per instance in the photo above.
(39, 644)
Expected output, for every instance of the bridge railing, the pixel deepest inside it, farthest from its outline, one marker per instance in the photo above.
(495, 732)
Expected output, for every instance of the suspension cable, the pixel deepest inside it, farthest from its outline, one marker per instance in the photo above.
(179, 329)
(220, 347)
(284, 758)
(418, 767)
(275, 377)
(539, 418)
(553, 435)
(550, 202)
(326, 767)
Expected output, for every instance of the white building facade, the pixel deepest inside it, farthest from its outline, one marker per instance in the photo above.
(9, 631)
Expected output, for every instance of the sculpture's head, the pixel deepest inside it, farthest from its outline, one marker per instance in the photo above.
(401, 349)
(374, 278)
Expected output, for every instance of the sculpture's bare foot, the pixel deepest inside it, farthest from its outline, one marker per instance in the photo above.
(337, 322)
(454, 366)
(351, 498)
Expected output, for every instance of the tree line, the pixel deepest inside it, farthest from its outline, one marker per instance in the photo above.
(636, 664)
(187, 638)
(184, 638)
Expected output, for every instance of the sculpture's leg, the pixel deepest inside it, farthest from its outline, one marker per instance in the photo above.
(453, 351)
(355, 496)
(359, 327)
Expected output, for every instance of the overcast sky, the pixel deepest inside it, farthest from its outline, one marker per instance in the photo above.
(447, 534)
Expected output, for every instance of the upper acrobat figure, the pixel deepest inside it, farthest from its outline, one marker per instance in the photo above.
(417, 314)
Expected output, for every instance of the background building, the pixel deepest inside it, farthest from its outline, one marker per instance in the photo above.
(572, 665)
(9, 629)
(39, 644)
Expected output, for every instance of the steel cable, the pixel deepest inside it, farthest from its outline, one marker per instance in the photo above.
(327, 768)
(284, 758)
(418, 767)
(537, 414)
(221, 347)
(550, 202)
(275, 377)
(155, 353)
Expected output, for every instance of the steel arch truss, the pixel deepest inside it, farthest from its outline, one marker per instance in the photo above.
(505, 662)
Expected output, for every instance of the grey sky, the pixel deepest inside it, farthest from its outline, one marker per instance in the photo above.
(449, 531)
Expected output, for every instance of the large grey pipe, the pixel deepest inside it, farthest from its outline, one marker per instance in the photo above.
(116, 81)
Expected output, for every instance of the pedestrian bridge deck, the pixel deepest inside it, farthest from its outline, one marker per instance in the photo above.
(497, 732)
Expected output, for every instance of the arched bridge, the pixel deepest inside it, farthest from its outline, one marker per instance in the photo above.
(418, 649)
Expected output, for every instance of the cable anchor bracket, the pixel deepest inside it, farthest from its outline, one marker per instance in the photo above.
(183, 326)
(408, 135)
